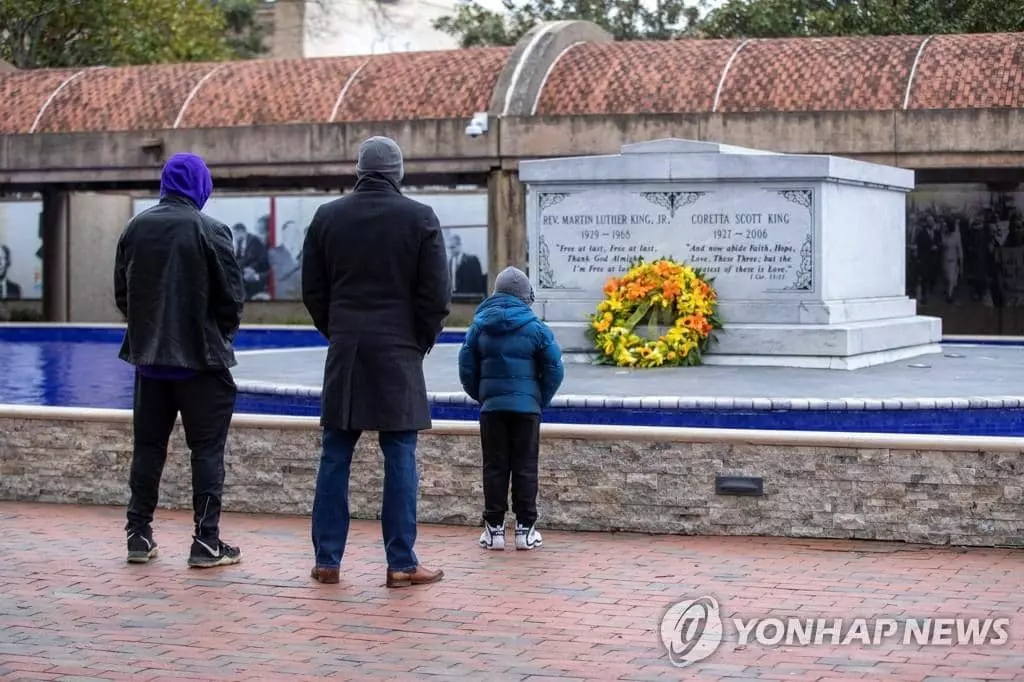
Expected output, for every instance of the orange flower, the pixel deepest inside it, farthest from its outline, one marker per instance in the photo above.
(671, 289)
(663, 268)
(701, 325)
(635, 291)
(662, 284)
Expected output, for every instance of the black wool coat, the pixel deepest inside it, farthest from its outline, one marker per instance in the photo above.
(375, 281)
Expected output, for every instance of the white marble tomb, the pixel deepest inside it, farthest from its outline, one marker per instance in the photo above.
(807, 252)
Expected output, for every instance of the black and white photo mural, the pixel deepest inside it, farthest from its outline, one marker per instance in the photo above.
(269, 232)
(965, 257)
(964, 250)
(21, 251)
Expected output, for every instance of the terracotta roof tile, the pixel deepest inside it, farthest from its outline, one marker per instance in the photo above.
(424, 85)
(127, 98)
(970, 71)
(636, 77)
(267, 92)
(22, 95)
(820, 74)
(863, 73)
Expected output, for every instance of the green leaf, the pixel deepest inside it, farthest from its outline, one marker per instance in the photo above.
(474, 24)
(69, 33)
(638, 315)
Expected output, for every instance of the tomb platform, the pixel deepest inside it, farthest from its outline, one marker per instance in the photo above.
(807, 253)
(967, 389)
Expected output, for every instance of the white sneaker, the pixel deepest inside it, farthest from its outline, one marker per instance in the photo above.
(493, 537)
(528, 537)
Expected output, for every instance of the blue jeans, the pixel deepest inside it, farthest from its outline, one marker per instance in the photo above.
(398, 514)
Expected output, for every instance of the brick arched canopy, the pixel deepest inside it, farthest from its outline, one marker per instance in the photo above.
(582, 78)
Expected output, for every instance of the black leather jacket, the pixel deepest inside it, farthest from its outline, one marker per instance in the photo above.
(179, 286)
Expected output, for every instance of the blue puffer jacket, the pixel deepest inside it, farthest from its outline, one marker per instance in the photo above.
(510, 360)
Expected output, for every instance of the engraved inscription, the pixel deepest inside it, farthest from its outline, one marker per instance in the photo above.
(751, 240)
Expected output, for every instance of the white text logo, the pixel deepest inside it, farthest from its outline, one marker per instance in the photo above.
(692, 630)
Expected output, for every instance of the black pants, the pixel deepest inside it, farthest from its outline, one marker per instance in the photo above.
(511, 443)
(206, 403)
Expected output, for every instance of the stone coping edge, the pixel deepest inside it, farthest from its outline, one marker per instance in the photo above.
(959, 339)
(693, 403)
(826, 439)
(254, 327)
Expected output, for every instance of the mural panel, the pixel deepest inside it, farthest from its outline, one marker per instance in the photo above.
(270, 231)
(965, 257)
(21, 251)
(964, 251)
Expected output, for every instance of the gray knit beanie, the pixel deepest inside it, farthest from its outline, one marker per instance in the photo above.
(514, 282)
(381, 155)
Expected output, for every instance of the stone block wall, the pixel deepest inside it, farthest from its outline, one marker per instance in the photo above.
(967, 497)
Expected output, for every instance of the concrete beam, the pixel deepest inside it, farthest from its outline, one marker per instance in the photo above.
(985, 134)
(311, 155)
(310, 151)
(506, 223)
(57, 221)
(912, 139)
(327, 176)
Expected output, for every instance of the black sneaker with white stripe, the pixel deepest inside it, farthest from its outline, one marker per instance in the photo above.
(209, 554)
(140, 548)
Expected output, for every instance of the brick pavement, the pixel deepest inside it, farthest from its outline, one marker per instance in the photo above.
(586, 606)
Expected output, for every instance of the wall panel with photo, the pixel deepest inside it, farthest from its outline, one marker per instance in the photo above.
(964, 253)
(269, 232)
(21, 250)
(463, 218)
(965, 257)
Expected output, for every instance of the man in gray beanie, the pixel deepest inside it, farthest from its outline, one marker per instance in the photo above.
(375, 282)
(381, 156)
(524, 370)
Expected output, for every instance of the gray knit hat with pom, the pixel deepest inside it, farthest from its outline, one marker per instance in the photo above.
(381, 155)
(514, 282)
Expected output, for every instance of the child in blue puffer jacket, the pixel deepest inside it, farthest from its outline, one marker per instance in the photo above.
(511, 364)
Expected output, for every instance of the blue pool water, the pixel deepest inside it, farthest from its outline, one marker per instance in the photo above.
(79, 367)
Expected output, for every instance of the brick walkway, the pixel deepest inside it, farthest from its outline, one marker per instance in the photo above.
(586, 606)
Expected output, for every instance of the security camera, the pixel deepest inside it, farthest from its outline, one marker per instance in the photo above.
(478, 125)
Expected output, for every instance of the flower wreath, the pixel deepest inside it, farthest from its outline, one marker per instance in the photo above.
(676, 301)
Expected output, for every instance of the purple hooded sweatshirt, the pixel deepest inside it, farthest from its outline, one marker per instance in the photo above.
(184, 175)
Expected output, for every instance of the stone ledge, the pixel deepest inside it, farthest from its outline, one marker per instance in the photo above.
(698, 403)
(644, 484)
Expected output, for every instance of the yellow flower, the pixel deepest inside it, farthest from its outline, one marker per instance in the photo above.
(625, 358)
(661, 285)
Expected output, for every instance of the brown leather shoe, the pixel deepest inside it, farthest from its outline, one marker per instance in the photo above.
(328, 576)
(420, 576)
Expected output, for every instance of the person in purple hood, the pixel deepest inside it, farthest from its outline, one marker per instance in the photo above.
(180, 289)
